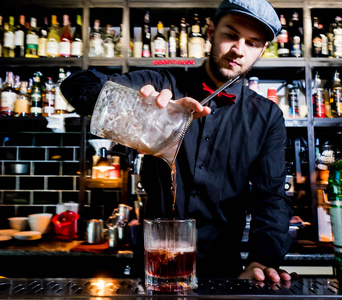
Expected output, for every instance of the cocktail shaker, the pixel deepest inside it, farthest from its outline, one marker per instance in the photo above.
(95, 232)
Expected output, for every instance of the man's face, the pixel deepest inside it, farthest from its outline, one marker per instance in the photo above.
(237, 43)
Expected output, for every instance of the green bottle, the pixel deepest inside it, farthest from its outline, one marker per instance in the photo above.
(334, 191)
(36, 96)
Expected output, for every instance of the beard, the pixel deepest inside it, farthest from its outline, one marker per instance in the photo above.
(219, 72)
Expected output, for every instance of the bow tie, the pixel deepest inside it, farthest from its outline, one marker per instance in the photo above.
(231, 97)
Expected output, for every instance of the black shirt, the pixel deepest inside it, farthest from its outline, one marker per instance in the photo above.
(230, 162)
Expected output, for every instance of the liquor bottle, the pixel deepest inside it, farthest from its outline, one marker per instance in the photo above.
(317, 43)
(118, 43)
(1, 35)
(8, 46)
(330, 37)
(22, 104)
(77, 40)
(296, 37)
(96, 41)
(32, 40)
(42, 41)
(61, 106)
(8, 96)
(36, 96)
(146, 36)
(336, 96)
(207, 43)
(283, 39)
(337, 43)
(293, 101)
(159, 41)
(19, 37)
(183, 39)
(172, 42)
(196, 41)
(53, 38)
(64, 49)
(108, 42)
(318, 98)
(48, 107)
(324, 37)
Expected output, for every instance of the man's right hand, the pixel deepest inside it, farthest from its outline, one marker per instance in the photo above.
(165, 96)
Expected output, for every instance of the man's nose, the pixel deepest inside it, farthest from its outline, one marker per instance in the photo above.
(238, 46)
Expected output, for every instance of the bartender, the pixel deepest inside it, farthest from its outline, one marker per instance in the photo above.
(232, 159)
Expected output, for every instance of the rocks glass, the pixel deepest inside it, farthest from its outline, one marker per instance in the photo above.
(170, 255)
(122, 116)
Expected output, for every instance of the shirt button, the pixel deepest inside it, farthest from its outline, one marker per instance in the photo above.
(201, 166)
(207, 138)
(213, 112)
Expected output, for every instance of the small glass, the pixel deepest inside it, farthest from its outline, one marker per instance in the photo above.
(170, 255)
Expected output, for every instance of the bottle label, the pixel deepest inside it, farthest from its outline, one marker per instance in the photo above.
(19, 38)
(7, 100)
(36, 96)
(196, 47)
(64, 48)
(146, 51)
(296, 47)
(96, 47)
(9, 40)
(52, 47)
(36, 110)
(293, 109)
(108, 49)
(283, 37)
(32, 41)
(77, 48)
(42, 47)
(324, 44)
(338, 45)
(159, 47)
(22, 106)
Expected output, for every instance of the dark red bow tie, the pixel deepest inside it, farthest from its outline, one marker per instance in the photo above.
(231, 97)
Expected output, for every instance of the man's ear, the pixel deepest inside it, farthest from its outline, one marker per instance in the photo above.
(210, 31)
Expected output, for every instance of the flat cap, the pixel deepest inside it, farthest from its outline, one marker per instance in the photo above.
(260, 10)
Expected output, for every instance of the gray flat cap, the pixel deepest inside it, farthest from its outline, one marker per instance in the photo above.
(259, 10)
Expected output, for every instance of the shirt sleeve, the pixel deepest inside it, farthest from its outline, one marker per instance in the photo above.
(82, 88)
(271, 210)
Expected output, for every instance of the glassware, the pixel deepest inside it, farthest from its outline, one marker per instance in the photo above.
(120, 115)
(170, 255)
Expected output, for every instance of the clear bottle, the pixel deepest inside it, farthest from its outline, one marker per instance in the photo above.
(32, 40)
(19, 37)
(48, 107)
(283, 39)
(146, 36)
(196, 40)
(172, 42)
(22, 104)
(109, 42)
(337, 43)
(1, 35)
(118, 43)
(77, 40)
(207, 43)
(330, 38)
(183, 39)
(336, 96)
(61, 105)
(53, 38)
(64, 49)
(293, 101)
(296, 37)
(159, 41)
(8, 96)
(42, 40)
(96, 48)
(8, 46)
(36, 96)
(318, 98)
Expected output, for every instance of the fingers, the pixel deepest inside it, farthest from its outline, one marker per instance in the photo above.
(195, 106)
(163, 97)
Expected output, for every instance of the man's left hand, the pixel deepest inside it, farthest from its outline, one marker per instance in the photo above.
(259, 272)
